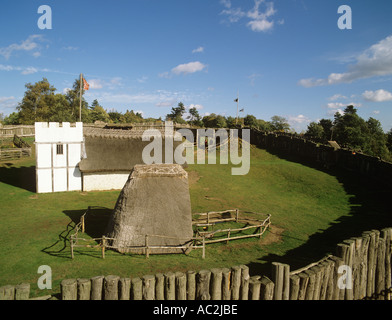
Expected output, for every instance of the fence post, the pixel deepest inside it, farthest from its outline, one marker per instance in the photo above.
(159, 286)
(203, 285)
(84, 289)
(7, 292)
(236, 215)
(148, 287)
(69, 289)
(147, 248)
(191, 285)
(281, 278)
(180, 286)
(267, 289)
(204, 247)
(124, 288)
(103, 246)
(170, 286)
(226, 279)
(244, 282)
(111, 287)
(22, 291)
(71, 243)
(136, 289)
(254, 288)
(235, 282)
(96, 287)
(82, 218)
(216, 284)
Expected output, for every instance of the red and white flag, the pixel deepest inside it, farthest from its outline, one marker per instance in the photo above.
(86, 86)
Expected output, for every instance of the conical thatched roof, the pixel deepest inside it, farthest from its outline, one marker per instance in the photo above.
(155, 201)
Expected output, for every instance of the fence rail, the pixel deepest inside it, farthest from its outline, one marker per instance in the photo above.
(199, 241)
(22, 131)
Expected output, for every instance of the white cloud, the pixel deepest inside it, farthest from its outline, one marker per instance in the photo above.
(197, 50)
(31, 43)
(377, 96)
(5, 99)
(299, 122)
(70, 48)
(260, 25)
(29, 70)
(65, 90)
(197, 106)
(23, 70)
(142, 79)
(334, 107)
(7, 103)
(226, 3)
(190, 67)
(300, 119)
(95, 83)
(336, 97)
(253, 78)
(185, 68)
(259, 21)
(374, 61)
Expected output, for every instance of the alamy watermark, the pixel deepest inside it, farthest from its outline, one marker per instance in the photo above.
(345, 281)
(45, 281)
(162, 147)
(345, 20)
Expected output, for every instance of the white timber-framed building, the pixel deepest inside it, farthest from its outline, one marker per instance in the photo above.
(70, 157)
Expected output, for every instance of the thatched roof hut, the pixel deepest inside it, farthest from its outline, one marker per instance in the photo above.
(110, 154)
(155, 201)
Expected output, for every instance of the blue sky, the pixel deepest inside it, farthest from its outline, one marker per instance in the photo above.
(284, 57)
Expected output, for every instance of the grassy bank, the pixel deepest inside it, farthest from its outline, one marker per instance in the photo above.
(310, 209)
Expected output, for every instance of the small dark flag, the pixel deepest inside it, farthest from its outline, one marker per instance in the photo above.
(236, 100)
(242, 110)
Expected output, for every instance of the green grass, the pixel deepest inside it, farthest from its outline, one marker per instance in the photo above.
(311, 211)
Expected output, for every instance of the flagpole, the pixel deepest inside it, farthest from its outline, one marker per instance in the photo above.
(236, 120)
(80, 100)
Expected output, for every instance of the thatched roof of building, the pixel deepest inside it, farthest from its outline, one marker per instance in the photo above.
(155, 201)
(111, 150)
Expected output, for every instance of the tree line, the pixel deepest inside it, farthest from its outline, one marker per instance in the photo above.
(41, 103)
(349, 130)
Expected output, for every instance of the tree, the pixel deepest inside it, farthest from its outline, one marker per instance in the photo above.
(13, 118)
(250, 121)
(98, 113)
(279, 124)
(114, 116)
(264, 125)
(376, 142)
(60, 110)
(131, 117)
(36, 103)
(177, 113)
(327, 125)
(315, 130)
(350, 129)
(194, 117)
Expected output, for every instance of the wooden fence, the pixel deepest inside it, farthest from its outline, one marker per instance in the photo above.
(23, 150)
(199, 241)
(360, 269)
(20, 130)
(14, 153)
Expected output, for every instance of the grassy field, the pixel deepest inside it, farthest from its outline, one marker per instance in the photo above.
(311, 211)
